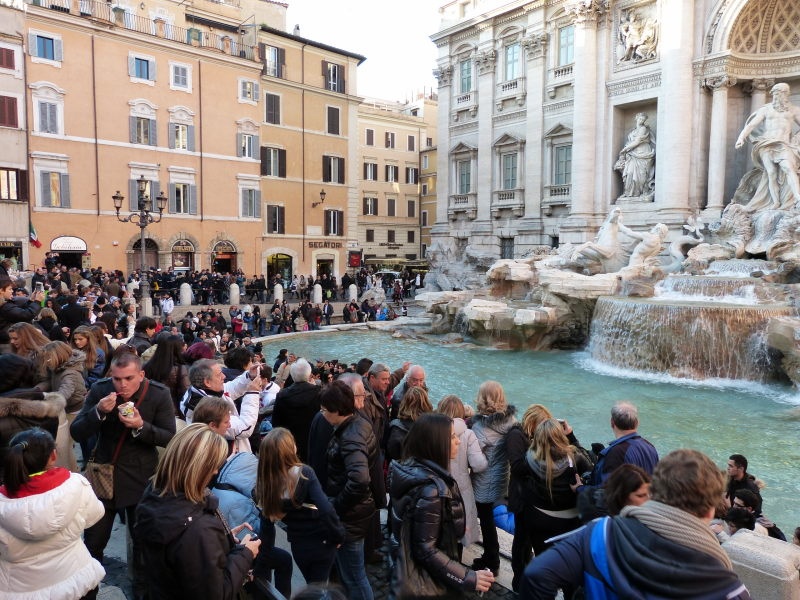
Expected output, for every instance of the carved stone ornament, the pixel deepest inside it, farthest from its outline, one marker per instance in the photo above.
(718, 83)
(637, 33)
(535, 44)
(758, 85)
(444, 75)
(486, 61)
(585, 11)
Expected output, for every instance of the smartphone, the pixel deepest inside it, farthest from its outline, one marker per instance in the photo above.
(39, 287)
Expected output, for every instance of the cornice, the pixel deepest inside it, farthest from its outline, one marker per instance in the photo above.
(646, 81)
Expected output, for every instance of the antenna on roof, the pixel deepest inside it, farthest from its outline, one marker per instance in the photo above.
(296, 30)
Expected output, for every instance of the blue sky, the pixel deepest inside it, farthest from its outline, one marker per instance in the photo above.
(394, 36)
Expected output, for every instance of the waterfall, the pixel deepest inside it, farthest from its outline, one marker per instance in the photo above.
(684, 338)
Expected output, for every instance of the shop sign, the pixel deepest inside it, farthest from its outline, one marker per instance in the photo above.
(68, 243)
(10, 244)
(332, 245)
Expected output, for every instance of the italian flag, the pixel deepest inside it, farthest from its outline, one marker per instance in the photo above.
(34, 238)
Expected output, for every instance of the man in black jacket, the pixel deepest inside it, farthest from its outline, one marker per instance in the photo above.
(15, 310)
(352, 453)
(296, 405)
(151, 424)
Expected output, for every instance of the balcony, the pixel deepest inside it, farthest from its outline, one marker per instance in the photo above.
(466, 203)
(513, 200)
(465, 102)
(556, 195)
(510, 90)
(103, 11)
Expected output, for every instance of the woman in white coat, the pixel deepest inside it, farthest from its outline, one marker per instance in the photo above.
(43, 512)
(470, 458)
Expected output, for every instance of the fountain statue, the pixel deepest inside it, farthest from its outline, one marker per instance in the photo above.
(718, 303)
(637, 163)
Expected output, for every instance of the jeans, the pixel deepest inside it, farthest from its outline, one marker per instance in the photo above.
(350, 560)
(491, 546)
(314, 558)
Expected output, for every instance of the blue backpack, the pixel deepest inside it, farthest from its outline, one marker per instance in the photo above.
(599, 586)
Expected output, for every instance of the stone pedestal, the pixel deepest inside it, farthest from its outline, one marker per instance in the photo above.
(278, 292)
(352, 293)
(316, 294)
(233, 294)
(185, 294)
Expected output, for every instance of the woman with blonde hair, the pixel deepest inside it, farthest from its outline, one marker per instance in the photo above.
(60, 369)
(189, 550)
(470, 457)
(47, 322)
(84, 339)
(288, 491)
(551, 503)
(415, 402)
(492, 422)
(26, 339)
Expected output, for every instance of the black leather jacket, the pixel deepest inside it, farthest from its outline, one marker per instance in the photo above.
(427, 498)
(352, 452)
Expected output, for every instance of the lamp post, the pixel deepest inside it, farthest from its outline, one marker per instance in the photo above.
(142, 219)
(322, 195)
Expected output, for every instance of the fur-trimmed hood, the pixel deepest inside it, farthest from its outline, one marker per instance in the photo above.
(23, 405)
(499, 421)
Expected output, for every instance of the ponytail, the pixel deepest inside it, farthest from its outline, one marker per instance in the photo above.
(28, 453)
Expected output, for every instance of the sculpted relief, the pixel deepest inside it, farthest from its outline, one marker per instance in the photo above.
(638, 35)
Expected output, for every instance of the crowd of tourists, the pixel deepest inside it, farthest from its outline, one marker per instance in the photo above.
(203, 451)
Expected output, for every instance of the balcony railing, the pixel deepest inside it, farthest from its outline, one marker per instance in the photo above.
(464, 100)
(564, 72)
(155, 27)
(513, 200)
(467, 203)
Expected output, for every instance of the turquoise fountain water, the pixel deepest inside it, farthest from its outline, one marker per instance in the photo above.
(718, 417)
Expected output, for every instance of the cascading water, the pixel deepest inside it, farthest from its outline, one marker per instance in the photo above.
(695, 327)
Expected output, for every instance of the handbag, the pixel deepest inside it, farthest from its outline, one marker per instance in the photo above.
(101, 475)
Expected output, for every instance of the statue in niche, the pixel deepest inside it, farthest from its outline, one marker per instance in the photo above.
(776, 153)
(638, 37)
(637, 162)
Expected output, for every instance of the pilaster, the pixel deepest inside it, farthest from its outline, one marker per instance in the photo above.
(718, 143)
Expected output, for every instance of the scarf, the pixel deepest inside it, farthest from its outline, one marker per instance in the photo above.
(678, 526)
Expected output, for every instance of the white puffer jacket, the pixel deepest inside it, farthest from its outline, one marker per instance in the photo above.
(42, 555)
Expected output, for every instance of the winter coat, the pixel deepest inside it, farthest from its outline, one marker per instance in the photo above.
(352, 453)
(188, 551)
(470, 457)
(304, 523)
(42, 555)
(294, 408)
(138, 457)
(68, 381)
(426, 498)
(491, 431)
(17, 310)
(558, 496)
(398, 430)
(234, 488)
(26, 409)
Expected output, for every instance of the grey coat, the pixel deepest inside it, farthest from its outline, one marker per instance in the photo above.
(491, 432)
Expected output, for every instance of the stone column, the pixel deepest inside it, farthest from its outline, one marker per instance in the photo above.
(316, 294)
(277, 290)
(674, 142)
(584, 123)
(536, 47)
(444, 75)
(482, 177)
(352, 293)
(758, 93)
(185, 294)
(718, 143)
(234, 296)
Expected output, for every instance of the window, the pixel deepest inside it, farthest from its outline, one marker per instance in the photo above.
(7, 58)
(334, 222)
(54, 189)
(412, 175)
(412, 143)
(428, 142)
(390, 236)
(181, 136)
(251, 203)
(390, 207)
(562, 174)
(509, 166)
(180, 77)
(334, 76)
(370, 137)
(370, 235)
(465, 76)
(512, 62)
(141, 68)
(424, 218)
(143, 131)
(507, 248)
(370, 171)
(48, 117)
(276, 221)
(391, 172)
(464, 170)
(410, 237)
(273, 162)
(424, 250)
(370, 206)
(412, 208)
(333, 120)
(273, 109)
(389, 139)
(181, 198)
(248, 143)
(424, 189)
(425, 161)
(566, 45)
(332, 169)
(13, 184)
(248, 91)
(46, 47)
(8, 112)
(273, 59)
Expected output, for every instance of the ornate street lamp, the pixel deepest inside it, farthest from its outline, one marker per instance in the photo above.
(322, 195)
(142, 219)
